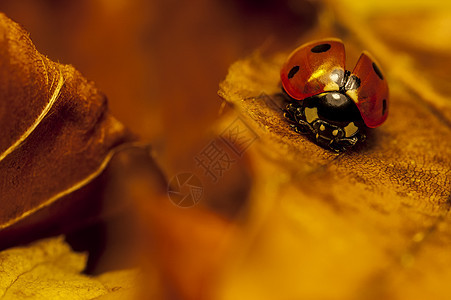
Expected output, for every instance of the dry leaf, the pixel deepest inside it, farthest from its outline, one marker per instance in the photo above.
(57, 136)
(371, 223)
(48, 269)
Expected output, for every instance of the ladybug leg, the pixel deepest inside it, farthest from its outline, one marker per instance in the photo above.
(295, 115)
(345, 143)
(292, 113)
(303, 127)
(335, 146)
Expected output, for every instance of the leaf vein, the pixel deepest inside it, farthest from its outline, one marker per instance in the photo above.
(43, 114)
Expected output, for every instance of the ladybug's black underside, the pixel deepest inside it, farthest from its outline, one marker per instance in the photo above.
(331, 119)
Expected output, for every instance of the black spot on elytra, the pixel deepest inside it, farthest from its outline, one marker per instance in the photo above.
(293, 71)
(321, 48)
(378, 71)
(384, 106)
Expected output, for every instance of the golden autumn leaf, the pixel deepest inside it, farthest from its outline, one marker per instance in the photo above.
(49, 269)
(370, 223)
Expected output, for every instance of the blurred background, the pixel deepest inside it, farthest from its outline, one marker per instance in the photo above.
(160, 63)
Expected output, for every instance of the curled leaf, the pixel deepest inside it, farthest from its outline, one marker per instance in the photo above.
(57, 134)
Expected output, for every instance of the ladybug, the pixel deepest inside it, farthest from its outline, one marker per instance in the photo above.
(329, 103)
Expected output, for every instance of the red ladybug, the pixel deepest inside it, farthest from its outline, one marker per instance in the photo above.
(329, 102)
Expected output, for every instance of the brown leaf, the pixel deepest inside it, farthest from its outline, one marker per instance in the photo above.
(57, 134)
(368, 223)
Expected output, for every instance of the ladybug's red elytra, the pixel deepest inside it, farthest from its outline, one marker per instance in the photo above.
(327, 101)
